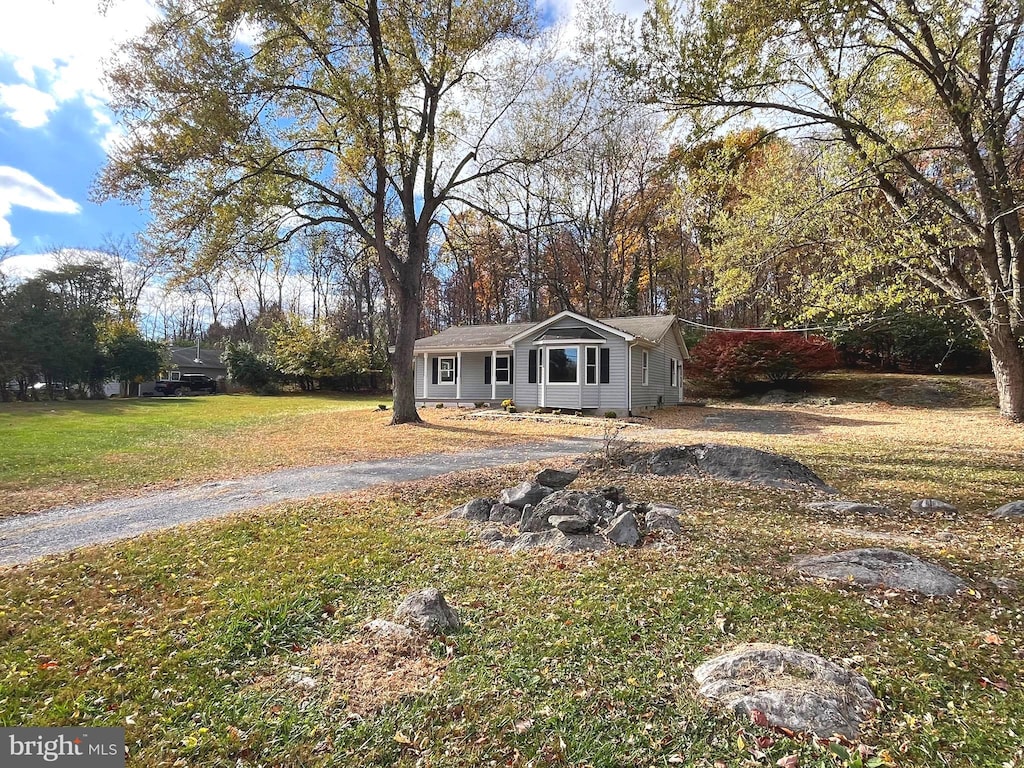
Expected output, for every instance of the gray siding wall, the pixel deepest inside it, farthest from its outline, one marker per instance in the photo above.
(658, 375)
(471, 371)
(604, 397)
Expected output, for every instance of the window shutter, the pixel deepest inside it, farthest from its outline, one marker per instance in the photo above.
(433, 378)
(487, 369)
(532, 377)
(606, 365)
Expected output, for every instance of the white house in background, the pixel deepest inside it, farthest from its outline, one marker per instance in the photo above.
(570, 362)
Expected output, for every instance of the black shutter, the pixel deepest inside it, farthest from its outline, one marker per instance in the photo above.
(487, 369)
(606, 365)
(433, 378)
(532, 376)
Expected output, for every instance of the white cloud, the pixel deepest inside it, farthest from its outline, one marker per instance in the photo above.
(27, 106)
(22, 189)
(58, 48)
(27, 265)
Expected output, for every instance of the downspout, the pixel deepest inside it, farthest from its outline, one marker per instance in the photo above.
(629, 379)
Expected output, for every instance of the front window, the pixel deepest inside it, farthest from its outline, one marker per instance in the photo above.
(446, 370)
(502, 369)
(562, 365)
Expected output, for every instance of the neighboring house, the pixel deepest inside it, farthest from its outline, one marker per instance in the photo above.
(570, 362)
(190, 360)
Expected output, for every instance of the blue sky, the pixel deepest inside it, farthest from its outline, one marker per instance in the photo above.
(55, 130)
(54, 126)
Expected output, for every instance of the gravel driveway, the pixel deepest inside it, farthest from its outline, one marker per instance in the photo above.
(30, 537)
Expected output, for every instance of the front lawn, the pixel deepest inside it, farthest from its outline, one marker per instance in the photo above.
(66, 452)
(223, 644)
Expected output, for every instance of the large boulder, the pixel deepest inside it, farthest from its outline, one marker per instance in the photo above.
(427, 611)
(556, 479)
(623, 531)
(1013, 509)
(476, 511)
(503, 514)
(663, 517)
(734, 463)
(526, 492)
(887, 568)
(845, 507)
(788, 688)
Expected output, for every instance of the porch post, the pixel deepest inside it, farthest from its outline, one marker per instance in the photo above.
(494, 375)
(426, 375)
(458, 376)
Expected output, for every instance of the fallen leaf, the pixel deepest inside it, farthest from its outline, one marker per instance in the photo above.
(757, 717)
(789, 761)
(993, 639)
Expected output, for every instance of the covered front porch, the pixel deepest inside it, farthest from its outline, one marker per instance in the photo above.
(465, 377)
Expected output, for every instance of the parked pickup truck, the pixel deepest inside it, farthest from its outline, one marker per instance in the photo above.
(187, 384)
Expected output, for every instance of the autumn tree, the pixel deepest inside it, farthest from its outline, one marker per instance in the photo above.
(926, 103)
(250, 120)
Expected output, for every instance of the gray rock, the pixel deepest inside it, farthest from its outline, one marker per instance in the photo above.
(589, 505)
(526, 492)
(556, 541)
(933, 507)
(491, 535)
(556, 479)
(882, 568)
(427, 610)
(1013, 509)
(662, 518)
(791, 688)
(734, 463)
(388, 631)
(503, 514)
(848, 508)
(477, 511)
(571, 523)
(623, 531)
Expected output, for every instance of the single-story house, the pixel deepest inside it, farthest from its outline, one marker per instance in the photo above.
(569, 362)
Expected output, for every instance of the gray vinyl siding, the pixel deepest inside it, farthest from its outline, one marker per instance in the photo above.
(658, 375)
(602, 397)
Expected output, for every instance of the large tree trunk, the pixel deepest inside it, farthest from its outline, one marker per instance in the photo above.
(1008, 367)
(403, 367)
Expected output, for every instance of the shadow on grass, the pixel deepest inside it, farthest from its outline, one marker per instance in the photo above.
(771, 421)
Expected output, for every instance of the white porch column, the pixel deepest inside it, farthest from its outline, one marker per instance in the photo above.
(458, 375)
(426, 374)
(494, 375)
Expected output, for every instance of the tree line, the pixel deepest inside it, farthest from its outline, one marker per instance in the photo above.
(853, 166)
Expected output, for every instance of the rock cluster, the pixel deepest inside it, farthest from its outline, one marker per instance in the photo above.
(551, 516)
(788, 688)
(734, 463)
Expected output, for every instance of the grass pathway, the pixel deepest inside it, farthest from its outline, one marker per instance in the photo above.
(30, 537)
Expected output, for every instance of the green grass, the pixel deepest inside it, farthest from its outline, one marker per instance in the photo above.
(80, 441)
(562, 660)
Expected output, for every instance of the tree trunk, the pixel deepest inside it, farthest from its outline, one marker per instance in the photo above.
(1008, 367)
(403, 367)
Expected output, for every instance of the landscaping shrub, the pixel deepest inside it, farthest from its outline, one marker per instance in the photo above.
(251, 369)
(745, 358)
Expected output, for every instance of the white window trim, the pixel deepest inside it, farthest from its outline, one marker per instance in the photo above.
(507, 371)
(441, 381)
(547, 368)
(645, 368)
(597, 366)
(673, 372)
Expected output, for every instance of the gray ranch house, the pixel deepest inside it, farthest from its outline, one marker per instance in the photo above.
(570, 362)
